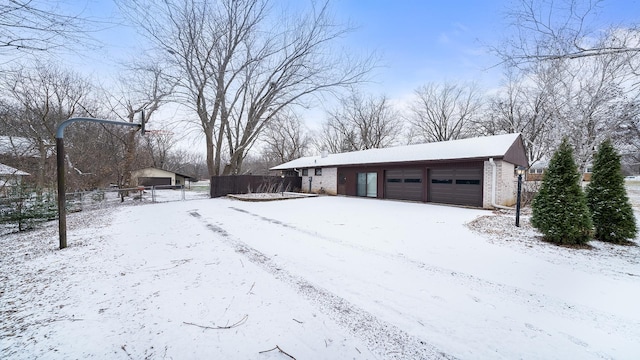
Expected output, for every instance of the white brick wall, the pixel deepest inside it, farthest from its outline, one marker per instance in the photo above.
(506, 187)
(326, 183)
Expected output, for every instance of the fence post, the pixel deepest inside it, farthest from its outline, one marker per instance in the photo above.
(182, 192)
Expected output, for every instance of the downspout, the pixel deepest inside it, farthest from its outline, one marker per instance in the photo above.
(494, 180)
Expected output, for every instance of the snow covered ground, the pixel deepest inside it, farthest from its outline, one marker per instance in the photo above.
(313, 278)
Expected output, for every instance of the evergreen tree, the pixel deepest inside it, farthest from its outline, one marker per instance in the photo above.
(607, 199)
(26, 207)
(560, 209)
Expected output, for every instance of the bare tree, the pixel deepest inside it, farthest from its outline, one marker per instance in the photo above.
(284, 139)
(525, 106)
(185, 162)
(144, 88)
(237, 71)
(34, 26)
(360, 123)
(159, 144)
(594, 68)
(444, 112)
(566, 29)
(627, 136)
(43, 98)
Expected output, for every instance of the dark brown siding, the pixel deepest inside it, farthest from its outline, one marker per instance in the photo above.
(465, 188)
(516, 154)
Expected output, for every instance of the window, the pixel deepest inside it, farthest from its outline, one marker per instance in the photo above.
(536, 171)
(305, 172)
(318, 171)
(467, 182)
(441, 181)
(394, 180)
(367, 184)
(413, 181)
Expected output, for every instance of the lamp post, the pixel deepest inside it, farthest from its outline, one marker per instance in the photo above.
(282, 185)
(520, 171)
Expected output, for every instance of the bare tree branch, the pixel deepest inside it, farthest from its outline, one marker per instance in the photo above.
(444, 112)
(34, 26)
(237, 71)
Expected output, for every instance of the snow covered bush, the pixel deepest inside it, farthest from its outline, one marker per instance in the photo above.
(560, 209)
(607, 198)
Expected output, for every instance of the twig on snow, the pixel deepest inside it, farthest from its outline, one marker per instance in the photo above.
(252, 285)
(240, 322)
(298, 321)
(279, 349)
(124, 348)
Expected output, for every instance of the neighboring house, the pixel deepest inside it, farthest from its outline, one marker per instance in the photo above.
(478, 172)
(10, 178)
(537, 170)
(153, 177)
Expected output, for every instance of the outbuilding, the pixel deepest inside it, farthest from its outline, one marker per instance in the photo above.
(477, 172)
(158, 177)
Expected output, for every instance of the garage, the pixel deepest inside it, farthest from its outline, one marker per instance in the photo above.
(458, 186)
(474, 172)
(154, 181)
(404, 184)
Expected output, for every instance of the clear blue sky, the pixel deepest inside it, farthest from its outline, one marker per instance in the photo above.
(423, 41)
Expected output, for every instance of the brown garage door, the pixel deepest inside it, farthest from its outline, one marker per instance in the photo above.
(459, 186)
(153, 181)
(404, 184)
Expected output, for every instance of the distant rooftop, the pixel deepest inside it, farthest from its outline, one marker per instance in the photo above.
(8, 170)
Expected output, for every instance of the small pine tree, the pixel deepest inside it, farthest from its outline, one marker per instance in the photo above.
(26, 207)
(560, 209)
(607, 199)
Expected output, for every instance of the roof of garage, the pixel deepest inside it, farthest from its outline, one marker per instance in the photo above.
(508, 146)
(158, 170)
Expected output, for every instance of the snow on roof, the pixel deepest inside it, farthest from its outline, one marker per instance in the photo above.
(17, 146)
(480, 147)
(8, 170)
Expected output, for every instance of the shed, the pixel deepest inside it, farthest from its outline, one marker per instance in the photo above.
(477, 172)
(152, 176)
(9, 178)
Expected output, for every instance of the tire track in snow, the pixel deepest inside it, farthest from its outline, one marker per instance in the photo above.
(381, 337)
(478, 285)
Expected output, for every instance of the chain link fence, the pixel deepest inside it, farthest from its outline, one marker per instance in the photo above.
(24, 209)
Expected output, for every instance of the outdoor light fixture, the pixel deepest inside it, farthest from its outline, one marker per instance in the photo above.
(520, 170)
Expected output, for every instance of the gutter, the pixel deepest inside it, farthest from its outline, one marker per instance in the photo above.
(494, 180)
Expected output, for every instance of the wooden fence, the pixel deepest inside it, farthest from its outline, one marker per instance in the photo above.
(244, 184)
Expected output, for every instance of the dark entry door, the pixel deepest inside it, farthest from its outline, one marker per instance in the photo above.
(154, 181)
(459, 186)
